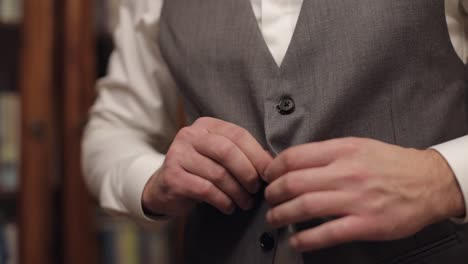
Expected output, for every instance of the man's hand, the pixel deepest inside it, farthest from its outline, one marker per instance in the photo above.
(373, 191)
(211, 161)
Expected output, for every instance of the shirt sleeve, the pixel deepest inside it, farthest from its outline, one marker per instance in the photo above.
(455, 151)
(134, 119)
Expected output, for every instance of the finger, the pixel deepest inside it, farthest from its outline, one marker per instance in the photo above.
(296, 183)
(335, 232)
(228, 155)
(309, 206)
(242, 138)
(199, 189)
(219, 176)
(310, 155)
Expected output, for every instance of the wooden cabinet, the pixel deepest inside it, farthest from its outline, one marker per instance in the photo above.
(56, 83)
(57, 72)
(78, 95)
(39, 134)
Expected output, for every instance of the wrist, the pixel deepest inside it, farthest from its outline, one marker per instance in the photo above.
(150, 214)
(448, 196)
(149, 199)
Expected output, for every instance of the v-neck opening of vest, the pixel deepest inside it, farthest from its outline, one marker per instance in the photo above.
(264, 45)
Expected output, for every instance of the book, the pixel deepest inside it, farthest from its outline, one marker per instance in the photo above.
(128, 243)
(9, 141)
(8, 244)
(11, 11)
(3, 247)
(106, 237)
(11, 238)
(122, 241)
(154, 243)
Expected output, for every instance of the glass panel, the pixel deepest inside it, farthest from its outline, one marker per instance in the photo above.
(10, 20)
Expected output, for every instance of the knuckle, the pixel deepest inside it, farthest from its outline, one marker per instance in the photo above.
(377, 205)
(172, 163)
(289, 186)
(334, 233)
(275, 216)
(219, 174)
(358, 173)
(308, 206)
(251, 178)
(354, 141)
(301, 242)
(173, 155)
(205, 189)
(185, 133)
(306, 203)
(225, 150)
(288, 159)
(350, 145)
(238, 133)
(171, 182)
(203, 121)
(172, 177)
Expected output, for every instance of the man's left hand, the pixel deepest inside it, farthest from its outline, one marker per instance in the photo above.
(372, 190)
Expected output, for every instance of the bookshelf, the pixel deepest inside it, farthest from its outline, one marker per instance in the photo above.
(56, 81)
(39, 133)
(10, 32)
(52, 52)
(9, 51)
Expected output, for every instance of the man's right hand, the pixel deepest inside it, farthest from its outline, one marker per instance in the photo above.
(212, 161)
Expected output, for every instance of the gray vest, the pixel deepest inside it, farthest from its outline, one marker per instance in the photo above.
(382, 69)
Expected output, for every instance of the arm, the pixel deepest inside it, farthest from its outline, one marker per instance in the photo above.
(211, 161)
(374, 191)
(455, 151)
(133, 115)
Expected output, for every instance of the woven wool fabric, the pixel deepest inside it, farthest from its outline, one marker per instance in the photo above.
(369, 68)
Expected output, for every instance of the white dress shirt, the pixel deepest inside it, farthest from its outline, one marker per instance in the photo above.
(134, 118)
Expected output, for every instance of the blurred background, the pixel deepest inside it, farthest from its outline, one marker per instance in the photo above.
(51, 52)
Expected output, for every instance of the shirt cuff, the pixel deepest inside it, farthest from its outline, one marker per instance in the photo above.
(455, 153)
(138, 174)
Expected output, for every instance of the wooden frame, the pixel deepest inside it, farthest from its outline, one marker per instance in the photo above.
(78, 83)
(38, 131)
(57, 76)
(56, 84)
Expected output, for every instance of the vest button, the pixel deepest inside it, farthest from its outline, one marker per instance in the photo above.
(267, 241)
(286, 105)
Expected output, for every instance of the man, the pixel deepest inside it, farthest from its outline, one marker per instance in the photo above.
(332, 128)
